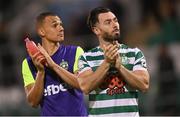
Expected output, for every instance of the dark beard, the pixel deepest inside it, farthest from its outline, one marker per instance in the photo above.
(111, 38)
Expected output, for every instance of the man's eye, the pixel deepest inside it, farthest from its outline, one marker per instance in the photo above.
(107, 22)
(54, 25)
(61, 24)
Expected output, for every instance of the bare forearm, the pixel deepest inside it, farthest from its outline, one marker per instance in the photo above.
(138, 81)
(35, 94)
(90, 82)
(67, 76)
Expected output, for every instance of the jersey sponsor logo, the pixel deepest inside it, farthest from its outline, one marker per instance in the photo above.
(64, 64)
(55, 89)
(113, 84)
(116, 86)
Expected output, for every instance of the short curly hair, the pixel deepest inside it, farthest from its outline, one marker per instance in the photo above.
(93, 15)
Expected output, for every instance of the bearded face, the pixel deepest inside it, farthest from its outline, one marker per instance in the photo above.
(108, 27)
(111, 37)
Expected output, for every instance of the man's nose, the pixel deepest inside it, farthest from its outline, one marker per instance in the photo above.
(115, 25)
(61, 28)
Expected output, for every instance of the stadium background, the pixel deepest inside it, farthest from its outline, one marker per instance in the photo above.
(151, 25)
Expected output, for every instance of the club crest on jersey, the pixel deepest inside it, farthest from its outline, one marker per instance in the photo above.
(143, 63)
(124, 60)
(80, 64)
(64, 64)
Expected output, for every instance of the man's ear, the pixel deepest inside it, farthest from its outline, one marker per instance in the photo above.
(41, 31)
(96, 30)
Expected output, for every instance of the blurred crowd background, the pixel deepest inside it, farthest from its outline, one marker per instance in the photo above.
(151, 25)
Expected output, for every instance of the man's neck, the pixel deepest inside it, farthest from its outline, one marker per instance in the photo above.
(103, 42)
(50, 47)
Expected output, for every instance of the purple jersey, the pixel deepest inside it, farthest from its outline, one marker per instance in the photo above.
(59, 98)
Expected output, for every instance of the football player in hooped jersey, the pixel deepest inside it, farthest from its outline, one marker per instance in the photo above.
(54, 87)
(112, 73)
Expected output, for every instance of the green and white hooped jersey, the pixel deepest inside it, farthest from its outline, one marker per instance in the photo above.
(114, 97)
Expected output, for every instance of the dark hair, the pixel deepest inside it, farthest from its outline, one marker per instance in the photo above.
(40, 18)
(93, 15)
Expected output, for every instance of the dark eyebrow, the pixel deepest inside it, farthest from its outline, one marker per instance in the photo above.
(107, 20)
(55, 21)
(115, 18)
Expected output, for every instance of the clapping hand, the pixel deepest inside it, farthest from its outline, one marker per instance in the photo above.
(110, 53)
(37, 59)
(50, 63)
(118, 58)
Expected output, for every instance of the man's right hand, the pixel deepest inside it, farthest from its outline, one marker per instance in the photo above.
(37, 58)
(110, 53)
(50, 63)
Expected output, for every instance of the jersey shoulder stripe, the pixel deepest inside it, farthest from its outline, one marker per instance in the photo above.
(26, 72)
